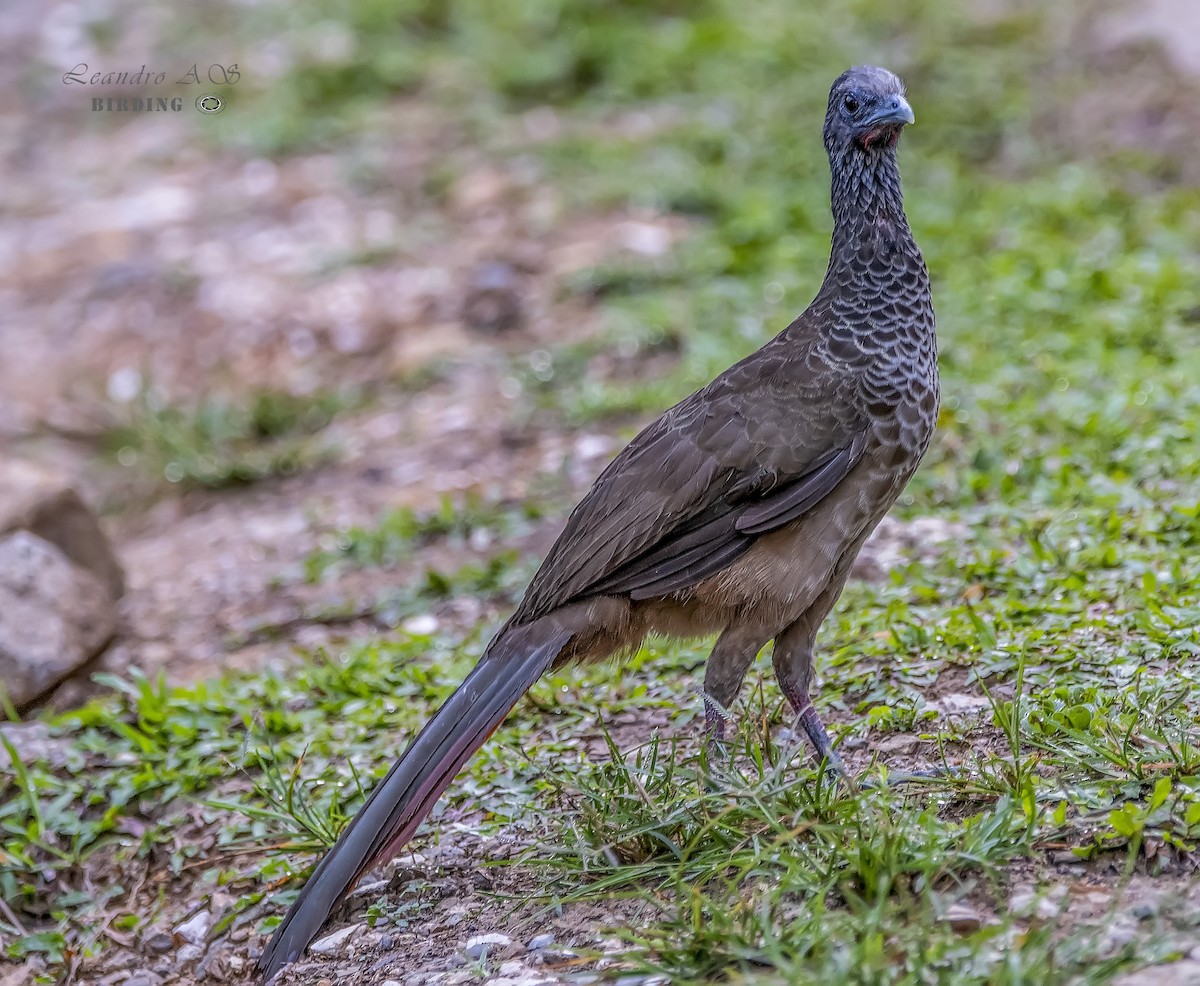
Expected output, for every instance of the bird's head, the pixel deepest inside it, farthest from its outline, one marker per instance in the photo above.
(867, 111)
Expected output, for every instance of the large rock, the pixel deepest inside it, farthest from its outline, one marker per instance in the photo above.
(54, 616)
(45, 504)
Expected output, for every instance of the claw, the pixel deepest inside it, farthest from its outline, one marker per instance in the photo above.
(815, 730)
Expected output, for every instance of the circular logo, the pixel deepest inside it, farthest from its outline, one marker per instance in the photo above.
(210, 103)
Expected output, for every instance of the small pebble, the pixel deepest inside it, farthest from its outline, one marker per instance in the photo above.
(195, 928)
(480, 945)
(332, 944)
(540, 941)
(373, 889)
(422, 626)
(492, 299)
(1119, 937)
(160, 943)
(189, 953)
(1029, 903)
(220, 901)
(962, 919)
(387, 943)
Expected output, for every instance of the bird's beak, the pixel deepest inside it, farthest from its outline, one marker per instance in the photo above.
(892, 111)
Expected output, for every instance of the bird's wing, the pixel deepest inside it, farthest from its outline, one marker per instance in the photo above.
(752, 451)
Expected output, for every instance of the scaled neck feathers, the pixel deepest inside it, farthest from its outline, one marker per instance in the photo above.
(868, 210)
(865, 188)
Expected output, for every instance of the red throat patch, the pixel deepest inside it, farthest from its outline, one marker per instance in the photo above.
(880, 137)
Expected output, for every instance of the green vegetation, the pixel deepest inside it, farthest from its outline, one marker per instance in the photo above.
(1069, 448)
(223, 442)
(401, 533)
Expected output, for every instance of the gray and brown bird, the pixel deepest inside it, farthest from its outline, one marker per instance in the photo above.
(738, 512)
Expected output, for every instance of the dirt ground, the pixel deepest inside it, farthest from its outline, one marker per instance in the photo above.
(155, 259)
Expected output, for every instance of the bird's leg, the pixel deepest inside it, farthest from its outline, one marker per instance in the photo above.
(793, 662)
(716, 717)
(731, 657)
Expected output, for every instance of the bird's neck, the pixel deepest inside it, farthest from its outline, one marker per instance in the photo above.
(876, 295)
(867, 205)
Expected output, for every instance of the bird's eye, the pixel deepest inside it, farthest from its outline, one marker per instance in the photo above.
(851, 103)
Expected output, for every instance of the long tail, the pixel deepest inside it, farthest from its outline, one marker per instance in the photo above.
(513, 661)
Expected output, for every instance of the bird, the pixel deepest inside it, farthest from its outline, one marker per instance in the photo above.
(737, 513)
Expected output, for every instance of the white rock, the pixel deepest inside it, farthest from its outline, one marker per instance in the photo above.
(332, 944)
(124, 384)
(493, 942)
(653, 241)
(195, 928)
(963, 918)
(1029, 902)
(589, 447)
(957, 704)
(1185, 973)
(189, 953)
(421, 626)
(900, 743)
(33, 743)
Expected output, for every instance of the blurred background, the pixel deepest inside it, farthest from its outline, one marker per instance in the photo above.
(332, 364)
(446, 251)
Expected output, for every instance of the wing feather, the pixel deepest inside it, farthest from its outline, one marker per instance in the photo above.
(754, 450)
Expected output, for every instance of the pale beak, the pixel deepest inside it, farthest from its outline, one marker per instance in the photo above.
(893, 110)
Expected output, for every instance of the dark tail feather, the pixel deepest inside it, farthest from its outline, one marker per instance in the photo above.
(398, 805)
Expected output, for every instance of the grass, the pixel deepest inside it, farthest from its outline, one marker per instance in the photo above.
(777, 870)
(400, 534)
(1068, 448)
(218, 442)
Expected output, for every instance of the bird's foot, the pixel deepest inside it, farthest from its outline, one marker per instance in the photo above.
(716, 718)
(718, 755)
(814, 729)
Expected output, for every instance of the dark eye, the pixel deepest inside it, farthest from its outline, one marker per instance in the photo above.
(851, 103)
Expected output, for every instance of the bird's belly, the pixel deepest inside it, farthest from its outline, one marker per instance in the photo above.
(785, 570)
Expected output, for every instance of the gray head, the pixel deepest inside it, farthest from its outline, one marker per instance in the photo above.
(867, 111)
